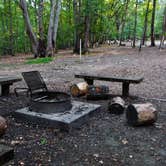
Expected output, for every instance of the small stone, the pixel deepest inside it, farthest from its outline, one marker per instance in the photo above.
(124, 141)
(131, 156)
(21, 163)
(96, 155)
(15, 142)
(101, 162)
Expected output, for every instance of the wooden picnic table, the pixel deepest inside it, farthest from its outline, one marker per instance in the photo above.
(126, 81)
(6, 82)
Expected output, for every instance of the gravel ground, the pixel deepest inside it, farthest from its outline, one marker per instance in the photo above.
(106, 139)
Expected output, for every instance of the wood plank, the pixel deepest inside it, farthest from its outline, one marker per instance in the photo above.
(9, 79)
(135, 80)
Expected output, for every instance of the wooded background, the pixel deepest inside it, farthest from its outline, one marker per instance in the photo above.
(43, 26)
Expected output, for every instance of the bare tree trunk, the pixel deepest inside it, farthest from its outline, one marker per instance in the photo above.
(145, 26)
(152, 24)
(123, 21)
(164, 29)
(11, 51)
(41, 45)
(30, 33)
(135, 23)
(87, 28)
(58, 10)
(40, 19)
(76, 8)
(50, 29)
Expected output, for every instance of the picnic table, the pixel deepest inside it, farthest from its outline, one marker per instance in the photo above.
(6, 82)
(126, 81)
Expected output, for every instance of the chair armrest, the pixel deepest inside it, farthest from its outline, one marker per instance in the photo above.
(21, 89)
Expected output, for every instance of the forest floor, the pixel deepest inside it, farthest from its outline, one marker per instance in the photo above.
(106, 139)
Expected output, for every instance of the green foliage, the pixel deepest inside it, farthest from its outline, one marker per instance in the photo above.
(39, 60)
(105, 22)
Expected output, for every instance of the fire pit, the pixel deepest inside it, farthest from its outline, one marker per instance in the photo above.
(50, 102)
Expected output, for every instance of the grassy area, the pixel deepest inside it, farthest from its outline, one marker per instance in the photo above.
(39, 60)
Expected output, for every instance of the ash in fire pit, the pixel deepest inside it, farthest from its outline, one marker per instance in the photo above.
(50, 102)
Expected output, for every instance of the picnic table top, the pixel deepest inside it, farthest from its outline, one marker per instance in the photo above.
(131, 79)
(9, 79)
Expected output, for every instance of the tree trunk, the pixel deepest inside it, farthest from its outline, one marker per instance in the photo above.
(87, 27)
(123, 21)
(141, 114)
(145, 26)
(50, 29)
(11, 49)
(152, 24)
(41, 45)
(28, 25)
(76, 7)
(56, 23)
(135, 24)
(163, 30)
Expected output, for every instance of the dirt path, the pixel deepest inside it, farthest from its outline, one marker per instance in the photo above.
(106, 139)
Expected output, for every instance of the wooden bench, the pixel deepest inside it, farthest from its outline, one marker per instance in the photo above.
(5, 82)
(126, 81)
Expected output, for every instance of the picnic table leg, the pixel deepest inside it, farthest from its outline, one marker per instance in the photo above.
(89, 81)
(5, 89)
(125, 89)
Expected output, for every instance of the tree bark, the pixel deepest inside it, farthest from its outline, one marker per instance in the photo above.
(11, 49)
(56, 23)
(135, 23)
(152, 24)
(141, 114)
(163, 29)
(87, 27)
(76, 10)
(41, 45)
(28, 25)
(50, 29)
(123, 21)
(145, 26)
(116, 105)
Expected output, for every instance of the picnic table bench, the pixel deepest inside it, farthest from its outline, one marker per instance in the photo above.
(126, 81)
(5, 82)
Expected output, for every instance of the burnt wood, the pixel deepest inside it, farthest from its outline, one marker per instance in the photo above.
(6, 82)
(126, 81)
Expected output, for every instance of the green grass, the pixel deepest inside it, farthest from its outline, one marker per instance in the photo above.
(39, 60)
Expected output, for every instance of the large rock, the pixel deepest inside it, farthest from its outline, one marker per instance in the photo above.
(3, 125)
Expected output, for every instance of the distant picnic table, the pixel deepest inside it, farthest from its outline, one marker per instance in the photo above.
(126, 81)
(6, 82)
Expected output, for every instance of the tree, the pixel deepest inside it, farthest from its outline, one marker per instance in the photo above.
(58, 9)
(135, 23)
(152, 24)
(163, 29)
(145, 26)
(30, 32)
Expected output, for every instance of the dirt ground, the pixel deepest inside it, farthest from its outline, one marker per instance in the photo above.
(106, 139)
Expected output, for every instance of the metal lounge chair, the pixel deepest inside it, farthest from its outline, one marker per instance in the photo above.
(34, 81)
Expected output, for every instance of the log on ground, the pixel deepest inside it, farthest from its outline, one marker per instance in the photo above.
(116, 106)
(141, 114)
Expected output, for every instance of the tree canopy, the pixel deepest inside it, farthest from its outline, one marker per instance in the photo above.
(90, 20)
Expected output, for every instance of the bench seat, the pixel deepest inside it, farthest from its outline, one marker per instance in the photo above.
(126, 81)
(5, 82)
